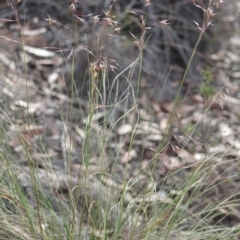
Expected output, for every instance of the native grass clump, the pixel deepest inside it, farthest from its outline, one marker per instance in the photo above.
(103, 134)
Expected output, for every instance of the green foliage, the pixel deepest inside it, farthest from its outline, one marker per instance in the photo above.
(207, 88)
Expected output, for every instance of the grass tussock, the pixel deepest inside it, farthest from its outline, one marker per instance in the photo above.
(91, 153)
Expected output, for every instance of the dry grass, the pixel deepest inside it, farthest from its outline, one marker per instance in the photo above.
(105, 161)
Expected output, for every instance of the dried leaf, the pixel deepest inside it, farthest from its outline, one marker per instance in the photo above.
(125, 129)
(128, 156)
(38, 52)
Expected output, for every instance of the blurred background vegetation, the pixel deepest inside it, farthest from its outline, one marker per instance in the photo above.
(168, 46)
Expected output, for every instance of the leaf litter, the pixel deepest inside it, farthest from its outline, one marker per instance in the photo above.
(61, 129)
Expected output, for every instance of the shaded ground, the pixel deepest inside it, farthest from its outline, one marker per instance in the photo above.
(57, 127)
